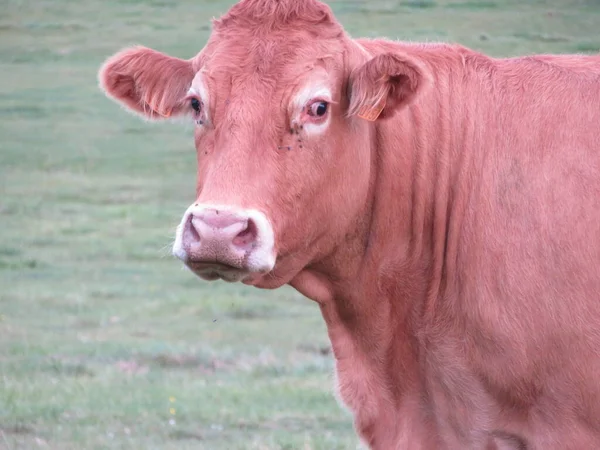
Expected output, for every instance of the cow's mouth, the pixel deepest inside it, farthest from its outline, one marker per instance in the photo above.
(211, 271)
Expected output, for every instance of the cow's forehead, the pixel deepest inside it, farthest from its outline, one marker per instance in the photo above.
(279, 56)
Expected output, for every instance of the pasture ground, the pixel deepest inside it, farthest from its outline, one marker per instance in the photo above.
(105, 341)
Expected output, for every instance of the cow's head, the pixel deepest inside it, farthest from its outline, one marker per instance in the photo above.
(278, 96)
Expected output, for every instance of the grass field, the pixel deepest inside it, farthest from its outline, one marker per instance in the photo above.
(105, 341)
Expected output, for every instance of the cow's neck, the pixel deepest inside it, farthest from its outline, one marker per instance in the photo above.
(375, 298)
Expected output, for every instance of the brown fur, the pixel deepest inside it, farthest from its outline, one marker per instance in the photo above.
(453, 245)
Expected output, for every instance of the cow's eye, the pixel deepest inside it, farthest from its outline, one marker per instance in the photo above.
(196, 104)
(318, 109)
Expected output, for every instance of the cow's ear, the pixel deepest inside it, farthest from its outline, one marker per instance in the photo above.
(148, 82)
(385, 84)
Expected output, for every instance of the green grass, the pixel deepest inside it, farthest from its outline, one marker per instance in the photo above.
(101, 331)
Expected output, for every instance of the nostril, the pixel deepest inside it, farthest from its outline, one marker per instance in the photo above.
(247, 236)
(190, 233)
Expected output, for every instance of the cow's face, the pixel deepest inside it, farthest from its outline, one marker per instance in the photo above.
(284, 162)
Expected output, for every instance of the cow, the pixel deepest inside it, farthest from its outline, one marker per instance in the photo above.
(441, 206)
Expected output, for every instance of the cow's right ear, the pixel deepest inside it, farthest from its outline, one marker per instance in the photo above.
(385, 84)
(148, 82)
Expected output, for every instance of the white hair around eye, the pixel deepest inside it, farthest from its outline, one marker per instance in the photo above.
(311, 91)
(199, 100)
(311, 108)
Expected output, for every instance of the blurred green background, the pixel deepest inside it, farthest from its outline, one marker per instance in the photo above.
(105, 340)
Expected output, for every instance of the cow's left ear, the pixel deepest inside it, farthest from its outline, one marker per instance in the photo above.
(385, 84)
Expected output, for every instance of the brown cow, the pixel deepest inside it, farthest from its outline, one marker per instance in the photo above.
(442, 207)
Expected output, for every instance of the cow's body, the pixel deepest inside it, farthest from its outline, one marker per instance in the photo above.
(456, 254)
(484, 319)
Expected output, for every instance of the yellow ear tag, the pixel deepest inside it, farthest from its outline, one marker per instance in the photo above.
(371, 113)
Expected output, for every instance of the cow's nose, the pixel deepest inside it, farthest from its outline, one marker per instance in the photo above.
(219, 236)
(228, 228)
(225, 242)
